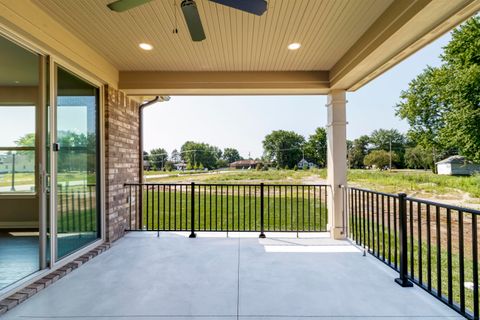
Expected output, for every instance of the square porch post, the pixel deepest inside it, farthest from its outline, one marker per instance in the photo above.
(336, 160)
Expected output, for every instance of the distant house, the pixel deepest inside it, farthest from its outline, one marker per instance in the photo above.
(180, 166)
(457, 166)
(146, 165)
(244, 164)
(303, 164)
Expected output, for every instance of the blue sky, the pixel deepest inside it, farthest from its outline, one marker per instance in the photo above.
(243, 121)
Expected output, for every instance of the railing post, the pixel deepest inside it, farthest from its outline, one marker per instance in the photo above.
(192, 212)
(402, 206)
(262, 213)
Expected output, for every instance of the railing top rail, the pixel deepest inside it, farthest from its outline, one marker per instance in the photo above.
(226, 184)
(393, 195)
(444, 205)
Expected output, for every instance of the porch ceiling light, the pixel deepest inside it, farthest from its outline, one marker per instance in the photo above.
(145, 46)
(294, 46)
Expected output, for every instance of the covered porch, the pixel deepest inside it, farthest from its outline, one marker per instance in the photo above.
(344, 45)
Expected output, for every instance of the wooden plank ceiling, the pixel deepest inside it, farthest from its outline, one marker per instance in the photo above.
(236, 41)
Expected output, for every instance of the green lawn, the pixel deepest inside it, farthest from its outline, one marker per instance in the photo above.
(235, 212)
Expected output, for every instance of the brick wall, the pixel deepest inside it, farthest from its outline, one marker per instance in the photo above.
(121, 157)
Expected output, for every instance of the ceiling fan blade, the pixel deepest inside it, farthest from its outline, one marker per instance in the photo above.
(124, 5)
(194, 24)
(257, 7)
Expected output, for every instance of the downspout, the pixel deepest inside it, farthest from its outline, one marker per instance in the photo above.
(140, 147)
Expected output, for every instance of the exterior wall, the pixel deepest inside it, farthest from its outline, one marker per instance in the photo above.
(444, 168)
(457, 169)
(122, 161)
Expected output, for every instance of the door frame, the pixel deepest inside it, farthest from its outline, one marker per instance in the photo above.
(54, 63)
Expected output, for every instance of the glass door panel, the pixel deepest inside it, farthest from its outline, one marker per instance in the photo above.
(19, 192)
(77, 163)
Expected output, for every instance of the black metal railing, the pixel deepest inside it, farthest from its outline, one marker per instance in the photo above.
(431, 244)
(227, 207)
(76, 207)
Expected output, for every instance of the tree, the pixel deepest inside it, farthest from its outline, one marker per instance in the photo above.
(316, 147)
(419, 157)
(175, 157)
(358, 151)
(231, 155)
(442, 104)
(222, 163)
(200, 154)
(383, 139)
(285, 147)
(157, 158)
(168, 166)
(379, 158)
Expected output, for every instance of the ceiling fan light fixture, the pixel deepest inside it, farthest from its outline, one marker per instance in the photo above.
(145, 46)
(294, 46)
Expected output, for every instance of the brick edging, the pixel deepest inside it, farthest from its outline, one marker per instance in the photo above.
(20, 296)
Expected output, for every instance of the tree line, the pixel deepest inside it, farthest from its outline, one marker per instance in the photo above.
(282, 149)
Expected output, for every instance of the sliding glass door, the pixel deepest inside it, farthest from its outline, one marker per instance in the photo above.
(77, 154)
(49, 162)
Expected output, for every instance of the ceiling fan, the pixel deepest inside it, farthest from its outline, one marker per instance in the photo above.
(190, 12)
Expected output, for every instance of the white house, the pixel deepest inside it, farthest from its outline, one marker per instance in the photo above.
(457, 166)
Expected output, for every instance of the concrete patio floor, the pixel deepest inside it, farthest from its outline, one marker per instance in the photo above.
(173, 277)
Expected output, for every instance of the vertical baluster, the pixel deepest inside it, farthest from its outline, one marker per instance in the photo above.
(159, 225)
(291, 209)
(157, 212)
(476, 314)
(181, 207)
(395, 231)
(226, 199)
(297, 211)
(244, 209)
(449, 256)
(262, 213)
(439, 256)
(429, 250)
(192, 212)
(303, 208)
(309, 222)
(148, 207)
(412, 261)
(383, 227)
(461, 262)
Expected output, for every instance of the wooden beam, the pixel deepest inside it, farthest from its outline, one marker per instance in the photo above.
(404, 28)
(223, 83)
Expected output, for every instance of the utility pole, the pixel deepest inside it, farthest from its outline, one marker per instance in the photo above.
(390, 168)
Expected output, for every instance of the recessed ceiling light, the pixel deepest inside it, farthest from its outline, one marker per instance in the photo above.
(294, 46)
(146, 46)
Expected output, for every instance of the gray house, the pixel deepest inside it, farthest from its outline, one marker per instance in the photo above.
(457, 166)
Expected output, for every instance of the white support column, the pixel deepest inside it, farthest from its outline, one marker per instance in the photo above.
(336, 160)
